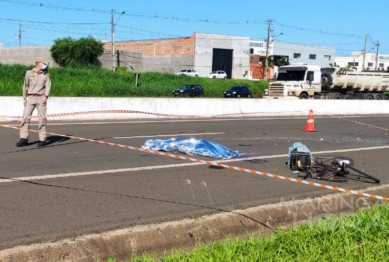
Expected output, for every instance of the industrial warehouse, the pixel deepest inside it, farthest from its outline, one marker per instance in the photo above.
(240, 57)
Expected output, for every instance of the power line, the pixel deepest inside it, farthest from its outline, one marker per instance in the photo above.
(49, 29)
(154, 16)
(61, 31)
(53, 6)
(373, 42)
(176, 18)
(350, 43)
(147, 31)
(149, 16)
(50, 23)
(27, 24)
(317, 31)
(307, 45)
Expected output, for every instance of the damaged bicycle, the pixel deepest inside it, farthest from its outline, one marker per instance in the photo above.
(331, 168)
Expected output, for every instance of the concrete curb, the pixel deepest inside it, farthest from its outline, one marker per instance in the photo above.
(188, 233)
(77, 108)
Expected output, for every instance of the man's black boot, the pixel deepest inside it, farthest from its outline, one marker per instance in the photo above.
(41, 143)
(22, 142)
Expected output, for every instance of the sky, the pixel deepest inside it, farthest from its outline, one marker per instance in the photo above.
(343, 25)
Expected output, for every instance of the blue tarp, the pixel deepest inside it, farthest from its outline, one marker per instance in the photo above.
(192, 146)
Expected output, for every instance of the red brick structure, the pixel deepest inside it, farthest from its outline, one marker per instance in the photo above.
(157, 47)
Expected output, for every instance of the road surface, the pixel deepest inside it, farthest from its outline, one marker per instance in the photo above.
(74, 187)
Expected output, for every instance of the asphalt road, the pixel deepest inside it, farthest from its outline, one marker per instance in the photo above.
(83, 187)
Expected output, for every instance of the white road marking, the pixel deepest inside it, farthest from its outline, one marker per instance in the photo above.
(193, 134)
(89, 173)
(121, 170)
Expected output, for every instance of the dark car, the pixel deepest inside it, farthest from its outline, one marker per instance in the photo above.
(238, 91)
(190, 90)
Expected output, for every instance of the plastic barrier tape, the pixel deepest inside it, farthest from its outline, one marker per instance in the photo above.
(140, 112)
(359, 123)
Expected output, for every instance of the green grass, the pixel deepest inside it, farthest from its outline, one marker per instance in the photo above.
(97, 82)
(363, 236)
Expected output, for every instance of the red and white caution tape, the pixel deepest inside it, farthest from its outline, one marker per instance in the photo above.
(97, 112)
(210, 163)
(360, 123)
(258, 113)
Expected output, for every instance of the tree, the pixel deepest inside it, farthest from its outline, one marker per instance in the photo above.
(344, 69)
(282, 61)
(68, 51)
(347, 68)
(275, 60)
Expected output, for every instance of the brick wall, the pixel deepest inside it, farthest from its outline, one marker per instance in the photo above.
(158, 47)
(133, 61)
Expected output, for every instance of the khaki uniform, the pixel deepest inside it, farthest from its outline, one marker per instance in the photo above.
(36, 86)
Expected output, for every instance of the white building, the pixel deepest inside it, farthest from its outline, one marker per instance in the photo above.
(306, 54)
(259, 48)
(295, 53)
(371, 62)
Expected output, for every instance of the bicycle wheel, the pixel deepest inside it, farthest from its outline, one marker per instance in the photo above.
(363, 173)
(331, 161)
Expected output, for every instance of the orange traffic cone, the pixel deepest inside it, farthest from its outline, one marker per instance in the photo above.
(310, 126)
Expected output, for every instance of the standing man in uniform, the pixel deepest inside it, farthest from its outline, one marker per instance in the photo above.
(36, 91)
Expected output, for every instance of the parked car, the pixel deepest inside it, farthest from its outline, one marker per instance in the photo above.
(190, 90)
(218, 74)
(188, 72)
(238, 91)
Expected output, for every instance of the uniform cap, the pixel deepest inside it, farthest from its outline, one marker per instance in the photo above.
(40, 60)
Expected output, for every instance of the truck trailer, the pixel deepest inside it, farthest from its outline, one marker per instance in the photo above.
(311, 81)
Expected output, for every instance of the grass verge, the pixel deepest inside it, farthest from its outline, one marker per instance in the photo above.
(97, 82)
(363, 236)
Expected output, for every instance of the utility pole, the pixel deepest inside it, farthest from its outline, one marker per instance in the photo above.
(20, 35)
(376, 56)
(113, 37)
(113, 40)
(364, 54)
(269, 24)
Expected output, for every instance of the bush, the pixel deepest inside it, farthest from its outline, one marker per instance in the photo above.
(70, 52)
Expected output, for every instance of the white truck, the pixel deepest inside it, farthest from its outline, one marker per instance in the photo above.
(311, 81)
